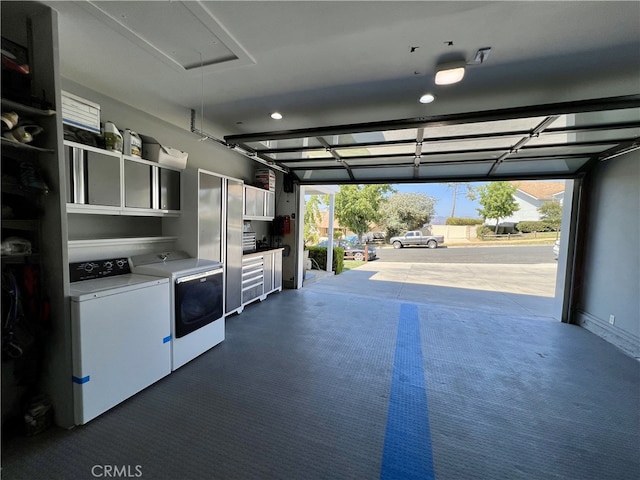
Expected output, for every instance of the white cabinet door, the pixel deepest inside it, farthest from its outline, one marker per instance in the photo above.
(268, 272)
(250, 202)
(210, 214)
(93, 180)
(150, 189)
(277, 270)
(270, 205)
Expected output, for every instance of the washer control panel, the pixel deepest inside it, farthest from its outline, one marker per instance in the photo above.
(98, 269)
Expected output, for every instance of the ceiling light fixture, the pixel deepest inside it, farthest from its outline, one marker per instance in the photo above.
(427, 98)
(276, 116)
(449, 73)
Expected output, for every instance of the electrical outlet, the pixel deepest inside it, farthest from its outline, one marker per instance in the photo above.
(612, 319)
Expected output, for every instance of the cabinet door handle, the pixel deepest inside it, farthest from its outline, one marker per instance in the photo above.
(155, 188)
(78, 176)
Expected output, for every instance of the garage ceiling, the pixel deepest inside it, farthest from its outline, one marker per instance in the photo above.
(559, 89)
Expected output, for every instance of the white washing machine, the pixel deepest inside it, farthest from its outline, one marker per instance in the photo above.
(121, 334)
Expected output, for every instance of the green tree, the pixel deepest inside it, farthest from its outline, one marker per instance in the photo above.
(406, 211)
(496, 199)
(357, 206)
(551, 213)
(312, 219)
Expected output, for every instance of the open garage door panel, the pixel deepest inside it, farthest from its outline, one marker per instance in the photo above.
(547, 141)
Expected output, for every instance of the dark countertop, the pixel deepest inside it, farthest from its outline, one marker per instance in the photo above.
(262, 250)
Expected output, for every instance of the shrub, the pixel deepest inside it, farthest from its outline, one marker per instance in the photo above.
(319, 254)
(534, 226)
(482, 230)
(464, 221)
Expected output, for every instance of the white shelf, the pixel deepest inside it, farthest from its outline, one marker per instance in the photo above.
(90, 148)
(93, 209)
(96, 242)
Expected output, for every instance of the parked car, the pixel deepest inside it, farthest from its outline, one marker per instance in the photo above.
(374, 237)
(353, 250)
(556, 249)
(416, 237)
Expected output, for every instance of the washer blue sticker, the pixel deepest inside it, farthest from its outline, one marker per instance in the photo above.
(79, 380)
(166, 339)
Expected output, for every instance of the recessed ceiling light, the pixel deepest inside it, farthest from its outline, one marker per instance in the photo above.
(449, 73)
(427, 98)
(276, 116)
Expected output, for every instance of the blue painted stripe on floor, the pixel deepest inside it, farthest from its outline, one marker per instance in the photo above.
(407, 444)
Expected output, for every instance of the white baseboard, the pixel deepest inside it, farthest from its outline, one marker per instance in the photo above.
(628, 343)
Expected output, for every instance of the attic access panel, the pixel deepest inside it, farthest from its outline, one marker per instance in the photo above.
(161, 32)
(546, 141)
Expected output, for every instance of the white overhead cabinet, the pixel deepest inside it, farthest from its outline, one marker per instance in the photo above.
(105, 182)
(150, 187)
(93, 179)
(137, 185)
(259, 204)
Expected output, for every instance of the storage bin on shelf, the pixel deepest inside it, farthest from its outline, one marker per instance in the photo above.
(265, 178)
(80, 113)
(152, 150)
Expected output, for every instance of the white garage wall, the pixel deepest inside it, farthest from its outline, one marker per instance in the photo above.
(611, 279)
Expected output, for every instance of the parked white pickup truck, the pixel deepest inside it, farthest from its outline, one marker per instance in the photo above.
(416, 237)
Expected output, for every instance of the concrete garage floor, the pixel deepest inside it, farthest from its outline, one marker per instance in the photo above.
(375, 374)
(512, 392)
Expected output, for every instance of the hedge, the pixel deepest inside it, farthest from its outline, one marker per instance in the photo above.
(319, 254)
(464, 221)
(535, 226)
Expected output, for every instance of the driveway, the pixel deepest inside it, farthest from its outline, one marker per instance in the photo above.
(484, 278)
(528, 270)
(514, 254)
